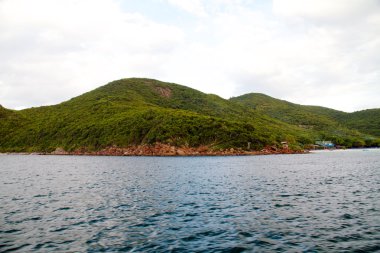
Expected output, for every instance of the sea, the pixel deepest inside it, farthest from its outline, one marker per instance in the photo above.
(325, 201)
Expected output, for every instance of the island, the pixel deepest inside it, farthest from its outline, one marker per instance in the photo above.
(139, 116)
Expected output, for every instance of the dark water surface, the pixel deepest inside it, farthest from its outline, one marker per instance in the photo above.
(321, 202)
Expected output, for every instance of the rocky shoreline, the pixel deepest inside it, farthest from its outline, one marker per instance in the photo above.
(160, 149)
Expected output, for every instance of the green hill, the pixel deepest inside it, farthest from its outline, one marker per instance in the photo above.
(144, 111)
(305, 116)
(366, 121)
(137, 111)
(349, 129)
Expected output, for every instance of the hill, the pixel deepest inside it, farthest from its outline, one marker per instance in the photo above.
(341, 127)
(139, 111)
(306, 116)
(366, 121)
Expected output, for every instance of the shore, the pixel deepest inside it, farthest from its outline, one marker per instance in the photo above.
(168, 150)
(160, 149)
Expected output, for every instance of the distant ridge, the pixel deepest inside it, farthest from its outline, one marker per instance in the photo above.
(366, 121)
(140, 111)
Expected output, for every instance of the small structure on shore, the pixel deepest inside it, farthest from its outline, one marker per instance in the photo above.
(285, 144)
(325, 144)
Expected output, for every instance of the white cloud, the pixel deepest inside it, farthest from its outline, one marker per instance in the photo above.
(194, 7)
(57, 49)
(325, 63)
(324, 9)
(321, 52)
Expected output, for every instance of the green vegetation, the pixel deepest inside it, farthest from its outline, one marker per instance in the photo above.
(347, 129)
(144, 111)
(366, 121)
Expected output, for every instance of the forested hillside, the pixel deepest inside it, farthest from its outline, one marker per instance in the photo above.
(340, 127)
(139, 111)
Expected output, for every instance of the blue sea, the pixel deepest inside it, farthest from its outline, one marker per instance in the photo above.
(325, 201)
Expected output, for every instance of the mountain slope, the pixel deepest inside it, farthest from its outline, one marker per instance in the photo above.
(136, 111)
(366, 121)
(144, 111)
(10, 121)
(341, 127)
(308, 116)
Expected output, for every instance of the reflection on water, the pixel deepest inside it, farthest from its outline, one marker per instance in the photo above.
(321, 202)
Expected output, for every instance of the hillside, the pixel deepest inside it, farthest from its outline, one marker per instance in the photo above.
(366, 121)
(139, 111)
(306, 116)
(338, 126)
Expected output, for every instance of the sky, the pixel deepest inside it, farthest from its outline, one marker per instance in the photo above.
(314, 52)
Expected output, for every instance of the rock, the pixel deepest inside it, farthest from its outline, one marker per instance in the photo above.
(274, 148)
(160, 149)
(202, 149)
(181, 152)
(59, 151)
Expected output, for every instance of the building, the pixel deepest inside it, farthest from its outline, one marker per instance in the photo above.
(325, 144)
(284, 144)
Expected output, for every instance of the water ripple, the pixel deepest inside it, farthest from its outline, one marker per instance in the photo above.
(325, 202)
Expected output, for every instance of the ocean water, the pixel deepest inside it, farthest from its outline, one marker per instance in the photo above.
(319, 202)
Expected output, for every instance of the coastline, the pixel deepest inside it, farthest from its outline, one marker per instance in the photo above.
(182, 151)
(160, 149)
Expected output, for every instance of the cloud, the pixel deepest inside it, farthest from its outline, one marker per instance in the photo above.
(311, 52)
(309, 60)
(194, 7)
(63, 48)
(323, 10)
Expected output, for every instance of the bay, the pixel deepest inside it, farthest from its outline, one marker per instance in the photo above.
(319, 202)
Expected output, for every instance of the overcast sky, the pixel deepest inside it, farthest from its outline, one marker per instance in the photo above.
(320, 52)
